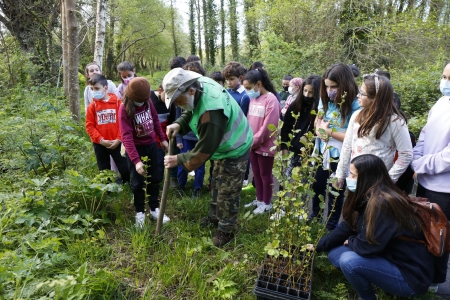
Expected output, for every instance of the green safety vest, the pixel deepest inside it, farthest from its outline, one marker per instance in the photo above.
(238, 136)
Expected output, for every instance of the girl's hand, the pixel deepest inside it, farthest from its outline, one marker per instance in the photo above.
(284, 152)
(180, 146)
(310, 247)
(323, 125)
(339, 184)
(114, 144)
(165, 146)
(172, 130)
(106, 143)
(170, 161)
(140, 168)
(346, 243)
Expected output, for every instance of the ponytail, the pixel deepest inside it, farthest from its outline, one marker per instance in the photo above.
(260, 74)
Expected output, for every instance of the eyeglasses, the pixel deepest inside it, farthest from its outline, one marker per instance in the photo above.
(362, 94)
(375, 76)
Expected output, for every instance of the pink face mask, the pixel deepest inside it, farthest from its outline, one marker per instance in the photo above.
(127, 80)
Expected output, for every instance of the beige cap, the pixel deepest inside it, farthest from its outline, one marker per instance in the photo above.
(176, 82)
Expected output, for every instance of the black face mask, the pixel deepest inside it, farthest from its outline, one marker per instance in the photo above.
(308, 100)
(285, 88)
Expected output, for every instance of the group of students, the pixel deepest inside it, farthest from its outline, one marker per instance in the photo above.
(360, 131)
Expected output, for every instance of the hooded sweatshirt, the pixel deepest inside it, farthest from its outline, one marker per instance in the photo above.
(263, 111)
(102, 119)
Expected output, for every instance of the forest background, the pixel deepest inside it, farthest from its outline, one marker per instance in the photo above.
(66, 233)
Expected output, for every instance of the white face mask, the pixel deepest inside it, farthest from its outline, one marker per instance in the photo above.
(189, 106)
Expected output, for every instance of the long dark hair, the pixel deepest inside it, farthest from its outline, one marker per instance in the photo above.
(260, 74)
(382, 108)
(376, 191)
(298, 104)
(343, 76)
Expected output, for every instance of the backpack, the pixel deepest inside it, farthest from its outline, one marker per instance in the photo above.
(436, 227)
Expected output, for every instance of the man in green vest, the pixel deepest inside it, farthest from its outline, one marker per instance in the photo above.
(224, 136)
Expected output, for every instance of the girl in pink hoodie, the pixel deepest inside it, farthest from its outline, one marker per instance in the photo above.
(264, 109)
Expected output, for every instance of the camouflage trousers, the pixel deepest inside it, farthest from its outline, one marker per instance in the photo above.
(228, 174)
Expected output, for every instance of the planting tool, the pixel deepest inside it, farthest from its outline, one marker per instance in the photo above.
(162, 205)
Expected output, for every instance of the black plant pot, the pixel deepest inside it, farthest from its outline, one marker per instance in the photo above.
(274, 283)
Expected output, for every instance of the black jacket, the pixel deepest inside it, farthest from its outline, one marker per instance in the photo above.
(412, 259)
(304, 123)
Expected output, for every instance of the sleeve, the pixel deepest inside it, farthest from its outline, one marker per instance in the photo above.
(120, 89)
(126, 129)
(211, 130)
(402, 140)
(179, 139)
(385, 230)
(112, 89)
(433, 164)
(87, 98)
(91, 123)
(335, 238)
(245, 102)
(156, 125)
(346, 151)
(286, 129)
(271, 116)
(183, 121)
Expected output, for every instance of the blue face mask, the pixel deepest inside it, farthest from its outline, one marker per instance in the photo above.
(98, 95)
(138, 103)
(252, 94)
(445, 87)
(332, 95)
(351, 184)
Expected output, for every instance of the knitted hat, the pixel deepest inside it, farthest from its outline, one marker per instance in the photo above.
(297, 81)
(138, 90)
(176, 82)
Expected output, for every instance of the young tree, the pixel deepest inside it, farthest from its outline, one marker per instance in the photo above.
(192, 26)
(206, 29)
(100, 32)
(199, 30)
(212, 24)
(172, 17)
(222, 33)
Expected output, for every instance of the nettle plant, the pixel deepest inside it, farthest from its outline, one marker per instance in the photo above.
(291, 230)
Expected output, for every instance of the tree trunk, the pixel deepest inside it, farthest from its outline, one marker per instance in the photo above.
(206, 29)
(74, 88)
(233, 30)
(199, 31)
(5, 47)
(172, 16)
(110, 52)
(192, 26)
(100, 32)
(222, 33)
(65, 49)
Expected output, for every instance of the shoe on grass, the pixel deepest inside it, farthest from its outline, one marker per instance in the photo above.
(208, 221)
(140, 220)
(254, 203)
(245, 182)
(196, 193)
(278, 215)
(262, 208)
(155, 214)
(173, 182)
(221, 238)
(434, 287)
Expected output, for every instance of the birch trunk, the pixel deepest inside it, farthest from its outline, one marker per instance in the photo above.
(199, 29)
(72, 30)
(100, 32)
(65, 49)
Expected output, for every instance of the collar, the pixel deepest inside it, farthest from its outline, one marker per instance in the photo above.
(240, 89)
(198, 93)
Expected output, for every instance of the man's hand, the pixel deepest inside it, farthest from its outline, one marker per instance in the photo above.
(165, 146)
(172, 130)
(114, 144)
(310, 247)
(140, 168)
(106, 143)
(170, 161)
(180, 146)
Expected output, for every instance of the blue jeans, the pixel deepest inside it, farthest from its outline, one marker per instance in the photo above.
(362, 272)
(199, 173)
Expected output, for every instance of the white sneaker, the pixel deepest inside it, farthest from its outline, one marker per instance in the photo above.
(254, 203)
(155, 215)
(277, 216)
(140, 220)
(434, 287)
(192, 173)
(245, 183)
(262, 208)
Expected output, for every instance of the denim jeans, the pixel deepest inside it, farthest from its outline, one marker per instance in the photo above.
(199, 173)
(362, 272)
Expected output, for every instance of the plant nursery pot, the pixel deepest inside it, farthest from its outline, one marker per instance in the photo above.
(274, 283)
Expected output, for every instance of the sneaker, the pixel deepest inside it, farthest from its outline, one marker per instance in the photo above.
(173, 182)
(155, 215)
(221, 238)
(245, 183)
(278, 215)
(434, 287)
(208, 221)
(196, 193)
(262, 208)
(140, 220)
(254, 203)
(192, 173)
